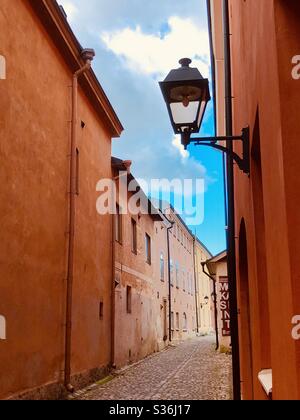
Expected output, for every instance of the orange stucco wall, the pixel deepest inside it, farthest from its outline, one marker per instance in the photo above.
(265, 37)
(35, 104)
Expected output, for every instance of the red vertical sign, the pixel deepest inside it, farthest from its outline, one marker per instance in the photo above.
(224, 306)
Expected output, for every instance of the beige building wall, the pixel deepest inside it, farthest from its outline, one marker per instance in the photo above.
(204, 290)
(183, 299)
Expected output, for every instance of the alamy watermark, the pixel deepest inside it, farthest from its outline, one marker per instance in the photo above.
(296, 329)
(133, 197)
(296, 67)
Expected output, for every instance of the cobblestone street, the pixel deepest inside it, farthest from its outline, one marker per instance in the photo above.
(190, 371)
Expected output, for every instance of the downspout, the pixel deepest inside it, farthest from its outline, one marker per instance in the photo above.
(231, 210)
(215, 304)
(87, 56)
(214, 89)
(196, 284)
(170, 285)
(113, 293)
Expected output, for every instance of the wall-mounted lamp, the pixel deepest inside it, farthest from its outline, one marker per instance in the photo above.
(187, 94)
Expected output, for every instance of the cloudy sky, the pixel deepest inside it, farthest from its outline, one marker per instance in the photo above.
(137, 43)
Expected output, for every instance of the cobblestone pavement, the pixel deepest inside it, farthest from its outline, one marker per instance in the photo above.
(190, 371)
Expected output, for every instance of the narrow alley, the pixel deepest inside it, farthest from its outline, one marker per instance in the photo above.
(190, 371)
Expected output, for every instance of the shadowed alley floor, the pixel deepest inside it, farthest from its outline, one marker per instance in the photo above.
(190, 371)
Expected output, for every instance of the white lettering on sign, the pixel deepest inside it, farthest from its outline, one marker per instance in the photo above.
(2, 68)
(296, 68)
(2, 328)
(224, 306)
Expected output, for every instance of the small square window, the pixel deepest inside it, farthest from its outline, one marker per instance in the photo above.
(101, 311)
(129, 300)
(148, 249)
(118, 224)
(133, 236)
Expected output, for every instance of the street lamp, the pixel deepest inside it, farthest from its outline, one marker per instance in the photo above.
(206, 302)
(186, 93)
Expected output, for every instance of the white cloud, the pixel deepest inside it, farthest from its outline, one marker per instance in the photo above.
(177, 144)
(154, 54)
(70, 9)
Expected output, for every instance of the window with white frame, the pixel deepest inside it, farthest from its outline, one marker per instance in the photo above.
(185, 322)
(177, 275)
(172, 272)
(162, 267)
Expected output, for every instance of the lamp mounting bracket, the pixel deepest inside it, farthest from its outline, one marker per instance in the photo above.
(242, 162)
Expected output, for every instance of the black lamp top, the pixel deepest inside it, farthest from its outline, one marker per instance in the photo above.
(184, 73)
(185, 62)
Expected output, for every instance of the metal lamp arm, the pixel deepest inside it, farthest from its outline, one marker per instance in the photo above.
(242, 162)
(235, 156)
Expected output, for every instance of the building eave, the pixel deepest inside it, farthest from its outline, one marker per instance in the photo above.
(59, 30)
(203, 247)
(120, 165)
(218, 258)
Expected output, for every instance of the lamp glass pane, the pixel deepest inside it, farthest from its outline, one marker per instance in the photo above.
(184, 115)
(202, 110)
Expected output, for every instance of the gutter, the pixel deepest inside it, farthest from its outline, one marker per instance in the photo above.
(54, 21)
(196, 284)
(169, 278)
(228, 169)
(214, 86)
(87, 56)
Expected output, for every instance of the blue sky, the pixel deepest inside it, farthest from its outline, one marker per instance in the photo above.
(137, 43)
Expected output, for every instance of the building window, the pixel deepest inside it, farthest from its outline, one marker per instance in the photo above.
(183, 280)
(172, 321)
(177, 322)
(129, 300)
(172, 272)
(185, 323)
(118, 224)
(133, 236)
(162, 267)
(101, 311)
(2, 68)
(148, 249)
(77, 171)
(177, 275)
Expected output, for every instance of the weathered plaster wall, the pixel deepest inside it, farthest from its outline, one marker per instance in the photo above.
(265, 37)
(35, 105)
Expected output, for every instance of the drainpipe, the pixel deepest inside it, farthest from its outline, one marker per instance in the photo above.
(196, 284)
(231, 210)
(215, 304)
(87, 55)
(169, 277)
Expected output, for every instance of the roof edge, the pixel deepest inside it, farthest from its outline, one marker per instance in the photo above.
(59, 30)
